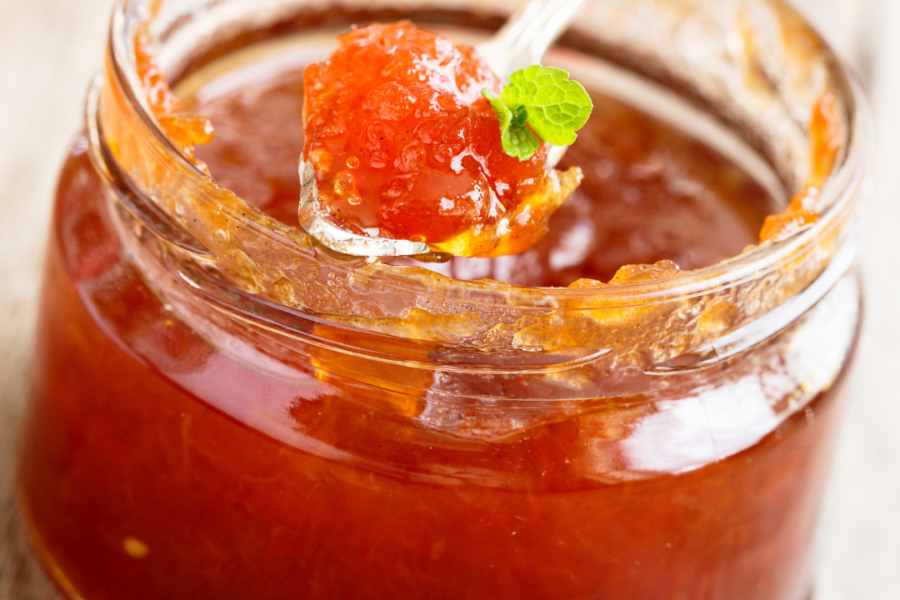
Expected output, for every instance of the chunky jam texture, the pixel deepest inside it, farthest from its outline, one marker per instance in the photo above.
(155, 465)
(406, 147)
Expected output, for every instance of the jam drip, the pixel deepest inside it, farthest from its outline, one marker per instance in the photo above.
(185, 130)
(406, 147)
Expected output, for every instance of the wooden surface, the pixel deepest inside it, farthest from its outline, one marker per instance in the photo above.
(50, 48)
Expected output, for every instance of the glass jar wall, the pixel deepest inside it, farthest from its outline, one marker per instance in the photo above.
(220, 409)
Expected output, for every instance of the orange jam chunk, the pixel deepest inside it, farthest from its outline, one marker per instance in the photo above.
(405, 147)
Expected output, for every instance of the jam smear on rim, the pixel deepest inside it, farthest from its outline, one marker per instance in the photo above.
(405, 146)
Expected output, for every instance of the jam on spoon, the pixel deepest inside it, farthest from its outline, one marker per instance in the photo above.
(410, 150)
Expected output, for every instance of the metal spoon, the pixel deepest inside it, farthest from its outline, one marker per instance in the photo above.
(520, 43)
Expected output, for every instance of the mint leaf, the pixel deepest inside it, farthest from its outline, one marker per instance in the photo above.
(518, 141)
(554, 107)
(504, 115)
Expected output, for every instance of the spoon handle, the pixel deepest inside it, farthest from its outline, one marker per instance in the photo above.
(524, 39)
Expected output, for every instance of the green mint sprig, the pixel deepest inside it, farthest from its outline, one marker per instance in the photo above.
(543, 101)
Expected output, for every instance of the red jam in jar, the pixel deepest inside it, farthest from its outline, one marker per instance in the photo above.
(641, 406)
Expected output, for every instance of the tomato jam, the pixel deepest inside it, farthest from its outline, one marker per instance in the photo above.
(406, 147)
(615, 413)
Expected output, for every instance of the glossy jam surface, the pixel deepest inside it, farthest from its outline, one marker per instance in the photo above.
(406, 147)
(158, 483)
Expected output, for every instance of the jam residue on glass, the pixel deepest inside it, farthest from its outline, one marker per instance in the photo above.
(825, 137)
(406, 147)
(185, 130)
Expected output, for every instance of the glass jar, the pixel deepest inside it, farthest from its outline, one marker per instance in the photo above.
(221, 409)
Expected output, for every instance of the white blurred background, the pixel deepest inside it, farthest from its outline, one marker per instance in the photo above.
(49, 50)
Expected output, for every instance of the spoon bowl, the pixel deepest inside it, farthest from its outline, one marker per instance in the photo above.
(520, 43)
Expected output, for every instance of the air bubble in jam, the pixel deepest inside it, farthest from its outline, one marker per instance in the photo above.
(344, 185)
(135, 548)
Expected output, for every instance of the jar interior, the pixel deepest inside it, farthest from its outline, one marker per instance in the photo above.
(653, 190)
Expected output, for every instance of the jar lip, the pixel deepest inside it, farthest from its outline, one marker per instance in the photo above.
(836, 194)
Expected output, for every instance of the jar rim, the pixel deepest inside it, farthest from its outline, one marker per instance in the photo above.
(836, 194)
